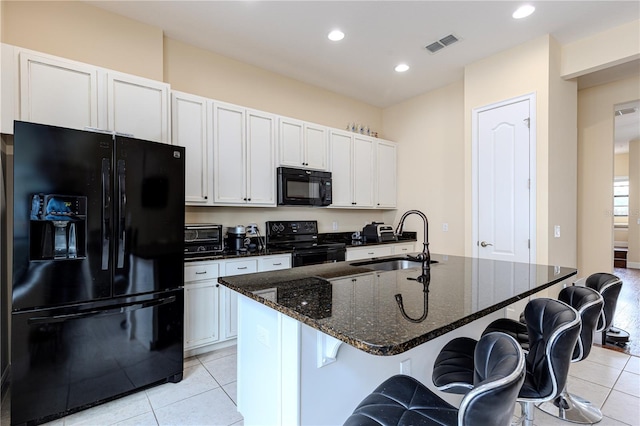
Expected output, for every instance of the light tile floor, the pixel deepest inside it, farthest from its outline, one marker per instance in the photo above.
(207, 395)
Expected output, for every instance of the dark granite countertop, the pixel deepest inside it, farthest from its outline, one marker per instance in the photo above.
(346, 238)
(359, 306)
(236, 255)
(338, 237)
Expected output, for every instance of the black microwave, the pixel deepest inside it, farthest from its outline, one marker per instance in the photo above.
(300, 187)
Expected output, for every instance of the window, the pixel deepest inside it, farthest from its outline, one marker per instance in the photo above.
(621, 197)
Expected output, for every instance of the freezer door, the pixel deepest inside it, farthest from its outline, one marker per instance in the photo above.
(68, 359)
(61, 216)
(149, 216)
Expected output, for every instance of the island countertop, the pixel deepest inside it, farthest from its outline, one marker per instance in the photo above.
(390, 312)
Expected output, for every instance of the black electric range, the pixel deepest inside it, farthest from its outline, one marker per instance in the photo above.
(301, 237)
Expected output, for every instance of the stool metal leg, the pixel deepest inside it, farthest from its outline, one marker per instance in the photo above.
(573, 408)
(527, 410)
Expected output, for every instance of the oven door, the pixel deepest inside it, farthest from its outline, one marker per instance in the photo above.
(317, 255)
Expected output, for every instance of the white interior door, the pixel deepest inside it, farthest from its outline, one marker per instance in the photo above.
(504, 210)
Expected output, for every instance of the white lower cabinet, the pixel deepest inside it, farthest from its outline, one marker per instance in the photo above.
(404, 248)
(229, 306)
(201, 294)
(274, 262)
(367, 252)
(211, 310)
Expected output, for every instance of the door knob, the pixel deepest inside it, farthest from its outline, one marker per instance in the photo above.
(484, 244)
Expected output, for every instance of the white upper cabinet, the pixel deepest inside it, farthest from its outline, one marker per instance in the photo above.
(363, 171)
(316, 146)
(352, 169)
(341, 164)
(66, 93)
(58, 92)
(244, 156)
(189, 129)
(138, 106)
(303, 145)
(229, 158)
(260, 165)
(386, 174)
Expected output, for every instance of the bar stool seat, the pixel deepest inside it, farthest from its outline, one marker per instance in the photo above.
(403, 401)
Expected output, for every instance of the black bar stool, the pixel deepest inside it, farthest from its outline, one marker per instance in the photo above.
(403, 401)
(552, 328)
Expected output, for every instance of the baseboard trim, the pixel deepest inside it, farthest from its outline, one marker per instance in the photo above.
(633, 265)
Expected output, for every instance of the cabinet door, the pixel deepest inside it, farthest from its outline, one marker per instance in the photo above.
(404, 248)
(369, 252)
(58, 92)
(316, 146)
(291, 142)
(363, 167)
(138, 106)
(229, 184)
(189, 129)
(261, 176)
(386, 186)
(230, 297)
(341, 169)
(274, 263)
(200, 313)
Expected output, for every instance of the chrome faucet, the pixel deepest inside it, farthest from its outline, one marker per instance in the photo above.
(423, 257)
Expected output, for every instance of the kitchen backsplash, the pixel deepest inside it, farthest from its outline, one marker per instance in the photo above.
(349, 220)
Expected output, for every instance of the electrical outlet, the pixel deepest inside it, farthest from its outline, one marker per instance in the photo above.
(405, 367)
(445, 227)
(335, 226)
(263, 336)
(556, 231)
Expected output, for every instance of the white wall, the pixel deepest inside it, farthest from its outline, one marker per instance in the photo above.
(595, 171)
(431, 172)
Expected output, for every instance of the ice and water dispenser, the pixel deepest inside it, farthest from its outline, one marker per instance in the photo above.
(58, 227)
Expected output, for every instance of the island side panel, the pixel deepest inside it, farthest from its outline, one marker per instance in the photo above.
(329, 394)
(268, 365)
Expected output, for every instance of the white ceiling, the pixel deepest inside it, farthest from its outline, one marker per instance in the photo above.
(289, 37)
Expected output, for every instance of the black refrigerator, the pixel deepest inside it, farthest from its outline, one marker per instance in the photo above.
(98, 269)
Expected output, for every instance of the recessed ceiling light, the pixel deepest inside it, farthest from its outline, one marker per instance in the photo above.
(336, 35)
(402, 67)
(523, 11)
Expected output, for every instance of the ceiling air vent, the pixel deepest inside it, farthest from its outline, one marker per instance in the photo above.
(442, 43)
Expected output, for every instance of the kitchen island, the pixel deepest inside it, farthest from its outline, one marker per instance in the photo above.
(293, 365)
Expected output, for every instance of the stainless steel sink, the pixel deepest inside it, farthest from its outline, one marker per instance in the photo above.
(390, 264)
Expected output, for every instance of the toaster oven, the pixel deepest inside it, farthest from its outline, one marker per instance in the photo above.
(202, 239)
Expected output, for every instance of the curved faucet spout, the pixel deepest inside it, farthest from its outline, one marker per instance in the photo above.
(425, 256)
(425, 308)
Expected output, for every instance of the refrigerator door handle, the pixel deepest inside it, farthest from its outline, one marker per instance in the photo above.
(118, 309)
(122, 208)
(106, 206)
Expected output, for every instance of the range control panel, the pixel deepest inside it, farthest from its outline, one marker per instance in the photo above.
(284, 228)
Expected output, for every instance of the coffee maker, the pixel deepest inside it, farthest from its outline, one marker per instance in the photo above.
(236, 236)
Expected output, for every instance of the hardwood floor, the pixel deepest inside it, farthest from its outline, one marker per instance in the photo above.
(627, 316)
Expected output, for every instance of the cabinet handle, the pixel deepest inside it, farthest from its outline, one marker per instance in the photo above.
(206, 197)
(241, 267)
(201, 273)
(370, 252)
(277, 264)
